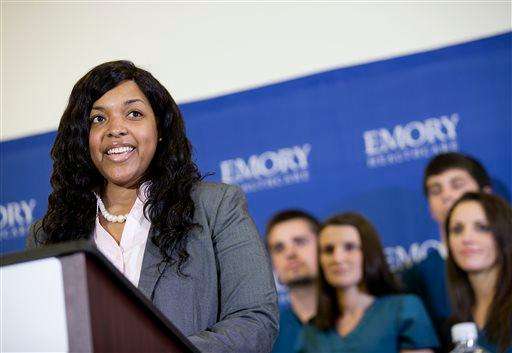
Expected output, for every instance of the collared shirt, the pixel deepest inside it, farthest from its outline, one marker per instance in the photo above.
(128, 255)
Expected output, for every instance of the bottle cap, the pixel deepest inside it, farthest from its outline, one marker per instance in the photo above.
(464, 331)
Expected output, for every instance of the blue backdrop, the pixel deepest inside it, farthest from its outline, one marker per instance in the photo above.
(356, 138)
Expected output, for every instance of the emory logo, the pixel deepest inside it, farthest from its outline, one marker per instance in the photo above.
(398, 257)
(414, 140)
(269, 169)
(16, 218)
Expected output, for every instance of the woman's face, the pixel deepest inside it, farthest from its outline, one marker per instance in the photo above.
(341, 256)
(123, 134)
(471, 242)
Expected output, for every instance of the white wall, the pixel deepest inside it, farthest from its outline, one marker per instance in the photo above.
(201, 50)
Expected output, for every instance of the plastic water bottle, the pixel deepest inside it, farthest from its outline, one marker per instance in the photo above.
(464, 336)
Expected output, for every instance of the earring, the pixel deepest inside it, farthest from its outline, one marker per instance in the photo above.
(160, 139)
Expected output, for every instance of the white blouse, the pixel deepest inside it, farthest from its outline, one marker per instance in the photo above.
(128, 255)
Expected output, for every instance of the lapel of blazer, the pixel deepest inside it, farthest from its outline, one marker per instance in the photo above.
(151, 263)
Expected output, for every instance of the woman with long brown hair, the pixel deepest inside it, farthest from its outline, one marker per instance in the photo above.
(359, 305)
(479, 232)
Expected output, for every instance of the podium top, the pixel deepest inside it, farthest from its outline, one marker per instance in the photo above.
(56, 250)
(118, 279)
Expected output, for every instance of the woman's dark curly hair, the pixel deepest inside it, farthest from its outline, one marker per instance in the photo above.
(172, 173)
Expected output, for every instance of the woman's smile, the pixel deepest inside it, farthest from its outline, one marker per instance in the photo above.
(123, 134)
(119, 154)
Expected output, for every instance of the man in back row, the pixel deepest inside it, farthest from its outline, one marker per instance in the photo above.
(291, 239)
(447, 177)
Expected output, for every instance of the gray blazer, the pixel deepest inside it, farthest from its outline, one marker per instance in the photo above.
(228, 302)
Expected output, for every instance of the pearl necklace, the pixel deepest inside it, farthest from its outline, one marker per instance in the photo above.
(107, 215)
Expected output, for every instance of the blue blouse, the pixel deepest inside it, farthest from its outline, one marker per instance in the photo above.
(391, 323)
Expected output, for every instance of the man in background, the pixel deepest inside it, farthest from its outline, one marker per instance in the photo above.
(447, 177)
(291, 239)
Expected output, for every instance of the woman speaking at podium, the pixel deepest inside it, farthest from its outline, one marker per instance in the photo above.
(123, 177)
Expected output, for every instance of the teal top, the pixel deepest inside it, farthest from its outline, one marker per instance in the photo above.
(289, 330)
(427, 279)
(391, 323)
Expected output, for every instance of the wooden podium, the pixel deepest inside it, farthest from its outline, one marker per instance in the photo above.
(69, 297)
